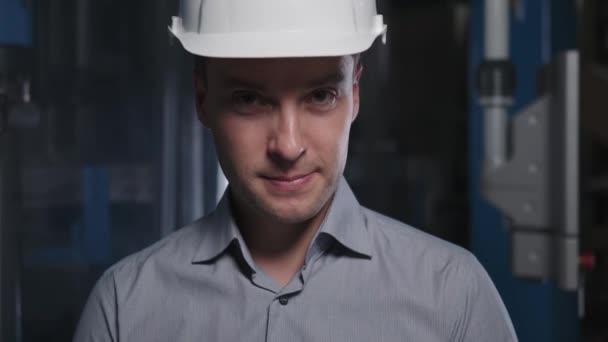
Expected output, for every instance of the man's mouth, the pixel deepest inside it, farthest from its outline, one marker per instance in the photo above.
(288, 183)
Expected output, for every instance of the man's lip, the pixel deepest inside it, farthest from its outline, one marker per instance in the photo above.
(288, 184)
(280, 178)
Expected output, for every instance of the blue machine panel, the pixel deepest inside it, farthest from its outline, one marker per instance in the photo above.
(15, 23)
(539, 29)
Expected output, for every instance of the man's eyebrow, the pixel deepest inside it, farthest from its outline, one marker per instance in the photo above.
(235, 82)
(333, 78)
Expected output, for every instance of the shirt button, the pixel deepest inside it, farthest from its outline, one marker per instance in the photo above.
(283, 300)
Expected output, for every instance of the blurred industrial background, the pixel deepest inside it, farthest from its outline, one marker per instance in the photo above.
(101, 153)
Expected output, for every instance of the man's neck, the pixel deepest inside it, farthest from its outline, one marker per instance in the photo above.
(278, 248)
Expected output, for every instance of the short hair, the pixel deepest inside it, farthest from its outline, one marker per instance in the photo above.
(200, 63)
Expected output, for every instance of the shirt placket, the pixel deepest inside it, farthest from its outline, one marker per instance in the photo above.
(280, 307)
(283, 301)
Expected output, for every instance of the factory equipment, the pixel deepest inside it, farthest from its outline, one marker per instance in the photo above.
(101, 153)
(524, 193)
(531, 164)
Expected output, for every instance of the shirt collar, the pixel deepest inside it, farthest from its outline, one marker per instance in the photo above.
(344, 222)
(218, 232)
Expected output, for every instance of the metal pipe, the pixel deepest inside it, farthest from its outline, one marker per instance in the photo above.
(496, 48)
(496, 27)
(495, 135)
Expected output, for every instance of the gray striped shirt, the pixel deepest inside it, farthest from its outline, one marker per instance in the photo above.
(366, 278)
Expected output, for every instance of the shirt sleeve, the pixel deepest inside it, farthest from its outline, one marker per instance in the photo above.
(98, 320)
(483, 316)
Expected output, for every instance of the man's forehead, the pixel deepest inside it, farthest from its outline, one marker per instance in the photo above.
(309, 68)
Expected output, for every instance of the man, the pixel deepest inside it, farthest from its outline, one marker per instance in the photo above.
(289, 254)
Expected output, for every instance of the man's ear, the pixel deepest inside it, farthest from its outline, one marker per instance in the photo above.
(200, 95)
(358, 71)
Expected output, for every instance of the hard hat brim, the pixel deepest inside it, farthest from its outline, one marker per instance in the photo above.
(276, 44)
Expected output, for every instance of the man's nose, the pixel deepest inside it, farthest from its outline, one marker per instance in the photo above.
(286, 142)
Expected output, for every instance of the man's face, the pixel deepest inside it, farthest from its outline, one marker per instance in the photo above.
(281, 129)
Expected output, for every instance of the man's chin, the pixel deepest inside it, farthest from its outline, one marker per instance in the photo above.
(295, 211)
(287, 216)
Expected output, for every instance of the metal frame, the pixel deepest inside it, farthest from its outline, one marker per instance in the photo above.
(538, 187)
(539, 30)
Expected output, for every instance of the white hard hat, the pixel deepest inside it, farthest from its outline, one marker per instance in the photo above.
(277, 28)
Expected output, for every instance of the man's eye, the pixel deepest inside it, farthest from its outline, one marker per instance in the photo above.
(323, 97)
(242, 98)
(247, 102)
